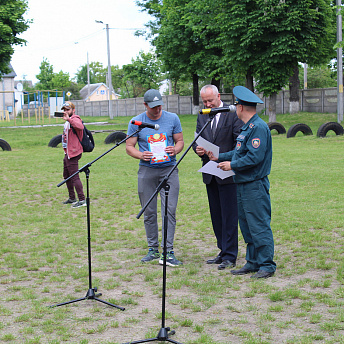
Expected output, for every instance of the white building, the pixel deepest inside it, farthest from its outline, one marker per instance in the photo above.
(7, 93)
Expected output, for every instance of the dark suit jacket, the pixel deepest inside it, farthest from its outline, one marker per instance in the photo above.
(228, 129)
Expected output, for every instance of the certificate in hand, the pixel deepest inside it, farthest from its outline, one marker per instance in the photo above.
(211, 168)
(157, 144)
(208, 146)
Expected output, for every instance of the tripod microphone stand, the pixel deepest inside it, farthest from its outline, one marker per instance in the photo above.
(91, 293)
(164, 332)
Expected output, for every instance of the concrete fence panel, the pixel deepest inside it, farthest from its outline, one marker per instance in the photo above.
(322, 100)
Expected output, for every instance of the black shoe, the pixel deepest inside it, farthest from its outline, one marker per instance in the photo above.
(262, 274)
(70, 201)
(226, 264)
(242, 271)
(216, 260)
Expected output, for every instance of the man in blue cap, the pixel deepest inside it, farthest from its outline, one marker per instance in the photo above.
(251, 162)
(157, 149)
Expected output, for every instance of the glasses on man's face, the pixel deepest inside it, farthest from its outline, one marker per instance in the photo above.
(66, 105)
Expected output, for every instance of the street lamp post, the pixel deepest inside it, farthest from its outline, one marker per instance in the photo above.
(109, 68)
(339, 64)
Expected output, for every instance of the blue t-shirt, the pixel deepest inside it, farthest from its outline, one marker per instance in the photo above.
(169, 123)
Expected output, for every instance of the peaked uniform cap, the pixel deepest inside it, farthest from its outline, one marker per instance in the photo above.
(153, 98)
(246, 97)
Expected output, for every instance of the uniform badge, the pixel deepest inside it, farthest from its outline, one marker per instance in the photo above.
(251, 125)
(238, 145)
(256, 143)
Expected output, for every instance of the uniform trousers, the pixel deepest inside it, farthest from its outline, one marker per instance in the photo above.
(254, 210)
(148, 180)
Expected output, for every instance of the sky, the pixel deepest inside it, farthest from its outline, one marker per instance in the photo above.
(64, 32)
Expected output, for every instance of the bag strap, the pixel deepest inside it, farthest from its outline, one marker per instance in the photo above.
(74, 131)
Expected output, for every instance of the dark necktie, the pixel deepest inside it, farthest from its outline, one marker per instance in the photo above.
(213, 128)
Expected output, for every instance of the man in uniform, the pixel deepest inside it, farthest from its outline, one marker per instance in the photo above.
(251, 162)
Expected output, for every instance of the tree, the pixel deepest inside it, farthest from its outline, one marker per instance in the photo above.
(318, 77)
(261, 39)
(118, 83)
(48, 80)
(268, 38)
(74, 89)
(180, 48)
(60, 80)
(97, 73)
(45, 75)
(313, 29)
(12, 24)
(142, 74)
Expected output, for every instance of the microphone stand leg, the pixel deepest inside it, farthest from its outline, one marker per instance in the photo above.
(91, 293)
(163, 333)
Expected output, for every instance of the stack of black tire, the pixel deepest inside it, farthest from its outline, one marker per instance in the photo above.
(306, 130)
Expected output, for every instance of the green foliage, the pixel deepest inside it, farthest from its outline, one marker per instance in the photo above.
(318, 77)
(97, 73)
(48, 80)
(117, 76)
(132, 80)
(295, 30)
(142, 74)
(12, 24)
(60, 80)
(268, 38)
(74, 89)
(182, 51)
(261, 38)
(45, 75)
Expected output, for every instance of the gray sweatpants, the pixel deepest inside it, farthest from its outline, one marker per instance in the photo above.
(148, 180)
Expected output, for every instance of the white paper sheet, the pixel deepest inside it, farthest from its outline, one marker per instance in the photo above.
(208, 146)
(211, 168)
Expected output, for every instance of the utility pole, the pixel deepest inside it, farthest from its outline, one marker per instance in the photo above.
(88, 79)
(109, 72)
(339, 64)
(109, 79)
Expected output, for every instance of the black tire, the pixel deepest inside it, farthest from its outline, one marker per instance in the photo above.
(55, 141)
(326, 127)
(294, 129)
(115, 137)
(5, 145)
(277, 126)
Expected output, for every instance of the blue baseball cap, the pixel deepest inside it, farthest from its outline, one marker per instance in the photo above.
(245, 97)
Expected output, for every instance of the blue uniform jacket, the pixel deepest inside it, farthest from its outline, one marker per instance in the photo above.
(251, 159)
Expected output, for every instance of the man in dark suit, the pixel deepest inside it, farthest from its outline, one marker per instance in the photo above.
(222, 196)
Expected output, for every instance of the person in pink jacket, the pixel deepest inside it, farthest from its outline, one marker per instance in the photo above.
(73, 151)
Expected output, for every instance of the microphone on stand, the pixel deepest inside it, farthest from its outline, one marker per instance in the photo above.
(213, 111)
(145, 125)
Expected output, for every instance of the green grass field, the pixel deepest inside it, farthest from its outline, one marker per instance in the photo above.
(43, 248)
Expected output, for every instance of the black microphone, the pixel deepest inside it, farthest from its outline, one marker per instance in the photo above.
(145, 125)
(213, 111)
